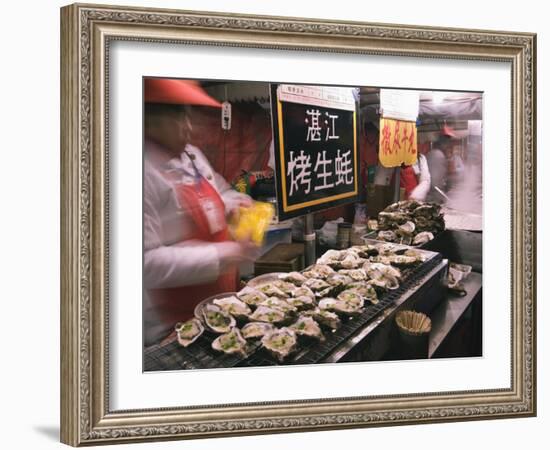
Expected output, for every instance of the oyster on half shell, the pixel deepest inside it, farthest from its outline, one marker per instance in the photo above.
(230, 342)
(280, 343)
(266, 314)
(306, 326)
(232, 305)
(188, 332)
(254, 330)
(217, 320)
(251, 296)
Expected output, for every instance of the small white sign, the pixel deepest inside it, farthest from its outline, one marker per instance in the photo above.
(328, 97)
(226, 116)
(399, 104)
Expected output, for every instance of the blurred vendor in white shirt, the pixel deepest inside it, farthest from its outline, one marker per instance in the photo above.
(414, 179)
(187, 252)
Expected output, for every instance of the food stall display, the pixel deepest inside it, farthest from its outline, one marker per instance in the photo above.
(296, 317)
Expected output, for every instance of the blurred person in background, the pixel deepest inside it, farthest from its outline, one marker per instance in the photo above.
(188, 254)
(438, 164)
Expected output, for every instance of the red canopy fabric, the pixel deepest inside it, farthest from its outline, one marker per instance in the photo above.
(177, 92)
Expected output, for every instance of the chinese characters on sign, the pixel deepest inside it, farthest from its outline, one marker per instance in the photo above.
(316, 150)
(397, 143)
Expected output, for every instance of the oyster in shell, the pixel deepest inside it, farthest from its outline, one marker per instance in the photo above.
(302, 302)
(341, 306)
(280, 304)
(377, 259)
(188, 332)
(280, 343)
(351, 261)
(306, 326)
(230, 343)
(331, 257)
(295, 278)
(384, 276)
(216, 319)
(406, 229)
(324, 317)
(366, 290)
(420, 257)
(403, 260)
(303, 291)
(318, 271)
(255, 330)
(316, 284)
(422, 238)
(338, 279)
(353, 297)
(251, 296)
(266, 314)
(232, 305)
(272, 290)
(285, 286)
(354, 274)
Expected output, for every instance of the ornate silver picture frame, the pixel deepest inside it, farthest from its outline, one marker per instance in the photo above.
(87, 32)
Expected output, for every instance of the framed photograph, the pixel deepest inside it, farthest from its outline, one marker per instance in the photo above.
(286, 224)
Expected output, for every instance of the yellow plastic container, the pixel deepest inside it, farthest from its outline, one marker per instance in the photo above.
(253, 222)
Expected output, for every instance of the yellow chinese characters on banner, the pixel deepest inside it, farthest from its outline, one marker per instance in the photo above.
(397, 143)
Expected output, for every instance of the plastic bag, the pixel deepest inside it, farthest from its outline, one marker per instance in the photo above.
(253, 222)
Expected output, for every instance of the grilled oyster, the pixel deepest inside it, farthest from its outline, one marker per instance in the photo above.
(338, 279)
(324, 317)
(364, 251)
(295, 278)
(341, 306)
(280, 343)
(280, 304)
(285, 286)
(354, 274)
(422, 238)
(383, 275)
(272, 290)
(319, 271)
(351, 261)
(331, 257)
(306, 326)
(377, 259)
(266, 314)
(303, 291)
(316, 284)
(366, 290)
(251, 296)
(254, 330)
(302, 302)
(217, 320)
(232, 305)
(403, 260)
(419, 256)
(352, 297)
(230, 343)
(188, 332)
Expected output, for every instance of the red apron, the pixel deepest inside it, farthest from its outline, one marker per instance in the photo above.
(407, 179)
(174, 305)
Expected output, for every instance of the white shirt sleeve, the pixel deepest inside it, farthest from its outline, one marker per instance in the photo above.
(424, 183)
(182, 264)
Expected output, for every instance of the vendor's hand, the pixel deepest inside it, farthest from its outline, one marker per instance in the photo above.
(243, 201)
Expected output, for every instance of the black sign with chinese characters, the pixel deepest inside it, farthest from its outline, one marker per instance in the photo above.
(315, 147)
